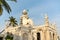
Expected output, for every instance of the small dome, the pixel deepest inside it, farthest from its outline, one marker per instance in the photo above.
(24, 12)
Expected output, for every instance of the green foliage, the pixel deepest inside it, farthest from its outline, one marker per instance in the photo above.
(14, 0)
(1, 9)
(8, 37)
(13, 21)
(4, 4)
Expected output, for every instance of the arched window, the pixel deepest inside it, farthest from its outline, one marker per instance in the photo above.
(1, 38)
(25, 36)
(38, 36)
(53, 36)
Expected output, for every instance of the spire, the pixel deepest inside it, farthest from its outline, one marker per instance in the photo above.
(46, 20)
(54, 24)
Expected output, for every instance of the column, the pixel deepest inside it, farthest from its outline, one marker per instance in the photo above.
(30, 36)
(35, 36)
(47, 35)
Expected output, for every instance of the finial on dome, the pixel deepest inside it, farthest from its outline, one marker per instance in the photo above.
(24, 12)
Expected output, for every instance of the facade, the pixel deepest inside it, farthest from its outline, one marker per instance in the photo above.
(28, 31)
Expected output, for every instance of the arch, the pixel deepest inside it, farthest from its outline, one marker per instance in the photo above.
(1, 38)
(53, 36)
(25, 36)
(38, 36)
(9, 36)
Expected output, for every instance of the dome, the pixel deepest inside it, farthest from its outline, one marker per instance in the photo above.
(24, 12)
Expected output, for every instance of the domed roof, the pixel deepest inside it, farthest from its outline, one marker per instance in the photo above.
(24, 12)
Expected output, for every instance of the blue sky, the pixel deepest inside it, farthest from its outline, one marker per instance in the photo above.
(37, 10)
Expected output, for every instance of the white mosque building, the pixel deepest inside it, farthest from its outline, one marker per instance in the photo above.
(28, 31)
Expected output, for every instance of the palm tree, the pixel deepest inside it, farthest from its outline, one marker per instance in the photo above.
(4, 4)
(12, 21)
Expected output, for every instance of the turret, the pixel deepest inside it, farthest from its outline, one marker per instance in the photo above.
(24, 17)
(25, 20)
(46, 20)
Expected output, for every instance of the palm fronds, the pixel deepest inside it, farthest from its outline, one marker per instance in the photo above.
(13, 21)
(4, 4)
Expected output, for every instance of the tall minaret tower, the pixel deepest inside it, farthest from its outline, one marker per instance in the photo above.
(46, 20)
(24, 17)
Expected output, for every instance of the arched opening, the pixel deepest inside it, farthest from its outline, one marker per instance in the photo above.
(38, 36)
(1, 38)
(53, 36)
(9, 36)
(25, 36)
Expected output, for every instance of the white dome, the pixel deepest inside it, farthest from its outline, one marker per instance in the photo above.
(24, 12)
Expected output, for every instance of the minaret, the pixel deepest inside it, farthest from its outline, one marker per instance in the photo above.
(24, 17)
(46, 20)
(54, 25)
